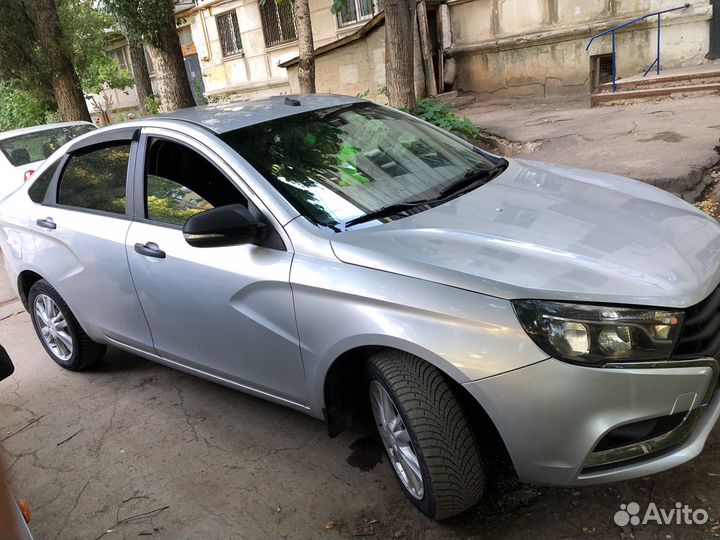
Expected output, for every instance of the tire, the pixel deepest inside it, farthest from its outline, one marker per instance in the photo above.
(81, 351)
(448, 456)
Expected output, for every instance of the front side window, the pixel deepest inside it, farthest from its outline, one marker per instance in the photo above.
(278, 22)
(229, 33)
(95, 179)
(179, 183)
(338, 164)
(38, 145)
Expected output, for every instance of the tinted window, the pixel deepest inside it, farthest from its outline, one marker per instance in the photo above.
(334, 165)
(38, 146)
(96, 179)
(180, 183)
(40, 185)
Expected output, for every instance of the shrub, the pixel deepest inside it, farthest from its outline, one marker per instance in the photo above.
(442, 115)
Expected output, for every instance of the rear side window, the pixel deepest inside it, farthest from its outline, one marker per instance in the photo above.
(38, 145)
(96, 179)
(40, 185)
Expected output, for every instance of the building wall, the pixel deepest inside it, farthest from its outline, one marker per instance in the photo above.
(357, 69)
(254, 73)
(507, 48)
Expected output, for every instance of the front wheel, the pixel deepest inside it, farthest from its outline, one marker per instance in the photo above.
(426, 435)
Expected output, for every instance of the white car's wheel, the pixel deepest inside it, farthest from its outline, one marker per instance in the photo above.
(425, 433)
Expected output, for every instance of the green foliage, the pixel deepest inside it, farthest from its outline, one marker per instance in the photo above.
(337, 6)
(441, 114)
(83, 26)
(19, 109)
(152, 105)
(105, 72)
(145, 20)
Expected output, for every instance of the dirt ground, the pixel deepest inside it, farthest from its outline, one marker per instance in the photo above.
(669, 143)
(132, 449)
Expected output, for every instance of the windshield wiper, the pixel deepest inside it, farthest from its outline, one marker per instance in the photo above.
(386, 211)
(473, 176)
(469, 178)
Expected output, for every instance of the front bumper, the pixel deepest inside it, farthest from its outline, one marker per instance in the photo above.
(554, 417)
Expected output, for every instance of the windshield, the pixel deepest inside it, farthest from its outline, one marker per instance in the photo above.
(336, 165)
(39, 145)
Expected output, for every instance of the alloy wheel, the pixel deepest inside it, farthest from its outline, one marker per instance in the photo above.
(396, 440)
(53, 327)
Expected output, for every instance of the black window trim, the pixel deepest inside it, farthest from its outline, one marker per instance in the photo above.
(115, 137)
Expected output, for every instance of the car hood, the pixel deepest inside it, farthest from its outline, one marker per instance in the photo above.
(552, 232)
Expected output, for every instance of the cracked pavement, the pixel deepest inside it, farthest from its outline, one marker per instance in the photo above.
(669, 143)
(130, 448)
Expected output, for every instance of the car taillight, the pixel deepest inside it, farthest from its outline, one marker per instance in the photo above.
(28, 175)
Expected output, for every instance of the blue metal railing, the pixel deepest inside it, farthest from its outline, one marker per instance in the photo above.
(613, 31)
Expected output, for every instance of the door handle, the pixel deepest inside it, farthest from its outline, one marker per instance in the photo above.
(46, 223)
(150, 249)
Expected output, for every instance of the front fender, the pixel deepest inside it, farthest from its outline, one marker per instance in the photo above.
(341, 307)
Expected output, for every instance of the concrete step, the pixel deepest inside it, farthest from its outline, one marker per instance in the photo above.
(664, 81)
(647, 94)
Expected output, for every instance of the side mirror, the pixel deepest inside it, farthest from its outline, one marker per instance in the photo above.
(6, 366)
(224, 226)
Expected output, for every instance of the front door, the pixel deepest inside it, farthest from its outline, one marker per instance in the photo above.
(225, 311)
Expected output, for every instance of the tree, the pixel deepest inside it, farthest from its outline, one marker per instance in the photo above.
(306, 66)
(153, 22)
(143, 86)
(399, 51)
(36, 55)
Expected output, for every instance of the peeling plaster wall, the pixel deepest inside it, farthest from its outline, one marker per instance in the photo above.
(508, 48)
(358, 68)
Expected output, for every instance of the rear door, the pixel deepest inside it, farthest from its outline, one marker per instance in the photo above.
(226, 311)
(80, 230)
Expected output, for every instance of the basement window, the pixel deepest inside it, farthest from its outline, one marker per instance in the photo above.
(602, 69)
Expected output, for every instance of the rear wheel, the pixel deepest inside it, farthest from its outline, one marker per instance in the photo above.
(426, 435)
(58, 329)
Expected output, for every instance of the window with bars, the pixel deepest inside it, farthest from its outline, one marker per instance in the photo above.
(355, 11)
(229, 32)
(278, 22)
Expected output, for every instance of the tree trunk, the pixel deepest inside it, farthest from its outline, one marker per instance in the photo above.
(65, 82)
(173, 85)
(426, 49)
(306, 65)
(399, 53)
(141, 75)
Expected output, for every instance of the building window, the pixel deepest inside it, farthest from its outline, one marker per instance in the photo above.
(229, 32)
(120, 55)
(278, 22)
(149, 62)
(355, 11)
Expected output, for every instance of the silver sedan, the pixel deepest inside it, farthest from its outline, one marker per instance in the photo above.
(328, 253)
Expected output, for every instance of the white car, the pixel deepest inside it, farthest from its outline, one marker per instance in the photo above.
(23, 150)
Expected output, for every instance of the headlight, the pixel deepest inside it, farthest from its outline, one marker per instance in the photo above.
(593, 335)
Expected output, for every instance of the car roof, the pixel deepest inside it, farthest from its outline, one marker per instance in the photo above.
(43, 127)
(224, 117)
